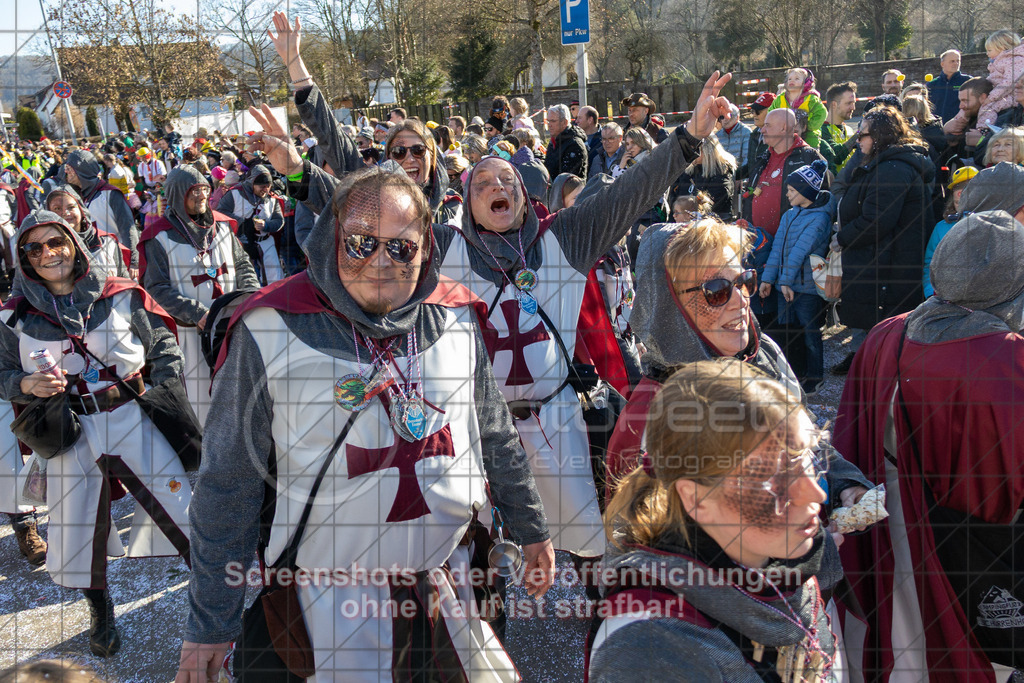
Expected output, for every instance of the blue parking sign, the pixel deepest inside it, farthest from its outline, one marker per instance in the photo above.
(575, 16)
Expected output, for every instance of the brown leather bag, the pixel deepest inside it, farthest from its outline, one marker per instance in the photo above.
(288, 631)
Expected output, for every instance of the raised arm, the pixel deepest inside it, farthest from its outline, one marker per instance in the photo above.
(591, 227)
(307, 183)
(340, 152)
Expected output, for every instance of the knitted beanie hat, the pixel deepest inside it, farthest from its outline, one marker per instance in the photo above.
(807, 179)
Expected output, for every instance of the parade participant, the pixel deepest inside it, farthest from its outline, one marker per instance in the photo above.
(105, 251)
(926, 410)
(693, 303)
(258, 216)
(697, 532)
(408, 142)
(106, 203)
(372, 305)
(533, 274)
(95, 327)
(8, 228)
(189, 258)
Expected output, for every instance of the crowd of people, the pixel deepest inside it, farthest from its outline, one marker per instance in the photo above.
(379, 370)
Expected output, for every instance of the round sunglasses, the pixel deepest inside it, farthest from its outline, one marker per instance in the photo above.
(717, 291)
(362, 247)
(398, 152)
(34, 250)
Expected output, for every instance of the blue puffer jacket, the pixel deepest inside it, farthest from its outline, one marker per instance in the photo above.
(802, 232)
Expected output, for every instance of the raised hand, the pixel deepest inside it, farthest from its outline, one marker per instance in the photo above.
(288, 42)
(274, 141)
(710, 107)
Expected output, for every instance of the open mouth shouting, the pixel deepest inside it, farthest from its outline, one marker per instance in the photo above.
(501, 207)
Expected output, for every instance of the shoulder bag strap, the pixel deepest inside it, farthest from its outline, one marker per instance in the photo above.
(287, 558)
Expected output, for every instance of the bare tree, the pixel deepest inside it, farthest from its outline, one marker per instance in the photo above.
(250, 56)
(125, 52)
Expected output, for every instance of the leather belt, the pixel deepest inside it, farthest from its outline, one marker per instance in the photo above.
(524, 410)
(107, 400)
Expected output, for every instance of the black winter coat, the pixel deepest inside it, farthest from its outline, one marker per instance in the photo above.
(719, 188)
(885, 221)
(567, 153)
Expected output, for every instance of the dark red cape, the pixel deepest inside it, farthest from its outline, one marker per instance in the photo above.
(113, 285)
(624, 446)
(298, 295)
(163, 224)
(126, 253)
(966, 400)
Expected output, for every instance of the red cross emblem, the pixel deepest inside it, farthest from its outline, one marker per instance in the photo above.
(516, 341)
(403, 456)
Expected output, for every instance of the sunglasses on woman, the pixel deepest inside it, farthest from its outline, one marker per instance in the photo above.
(398, 152)
(362, 247)
(717, 291)
(35, 249)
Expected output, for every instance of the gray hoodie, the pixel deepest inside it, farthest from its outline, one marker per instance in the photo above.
(157, 278)
(117, 218)
(77, 313)
(231, 488)
(87, 230)
(663, 649)
(341, 153)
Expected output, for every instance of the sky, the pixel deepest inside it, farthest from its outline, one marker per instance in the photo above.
(23, 22)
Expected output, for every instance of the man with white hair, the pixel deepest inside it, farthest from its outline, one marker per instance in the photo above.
(610, 154)
(567, 152)
(734, 135)
(944, 90)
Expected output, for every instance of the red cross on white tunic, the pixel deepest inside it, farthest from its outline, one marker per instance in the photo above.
(402, 455)
(516, 341)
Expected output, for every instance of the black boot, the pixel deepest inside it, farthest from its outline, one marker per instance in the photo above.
(104, 640)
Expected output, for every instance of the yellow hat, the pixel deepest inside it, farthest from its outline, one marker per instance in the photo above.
(431, 125)
(143, 153)
(962, 175)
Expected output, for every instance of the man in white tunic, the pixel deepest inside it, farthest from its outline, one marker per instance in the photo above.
(189, 258)
(370, 368)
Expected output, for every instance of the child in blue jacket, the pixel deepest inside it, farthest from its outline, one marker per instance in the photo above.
(803, 230)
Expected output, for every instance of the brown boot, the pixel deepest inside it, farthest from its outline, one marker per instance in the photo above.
(31, 545)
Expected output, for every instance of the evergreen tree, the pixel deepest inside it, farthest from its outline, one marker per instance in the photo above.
(29, 125)
(471, 62)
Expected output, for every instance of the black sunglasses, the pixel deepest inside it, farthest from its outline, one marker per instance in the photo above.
(35, 249)
(398, 152)
(361, 247)
(490, 129)
(718, 291)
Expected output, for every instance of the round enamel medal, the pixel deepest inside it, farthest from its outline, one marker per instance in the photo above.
(350, 392)
(526, 279)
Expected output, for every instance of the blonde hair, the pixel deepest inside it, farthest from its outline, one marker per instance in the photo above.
(1004, 39)
(641, 137)
(686, 439)
(1015, 135)
(716, 160)
(518, 106)
(698, 246)
(918, 108)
